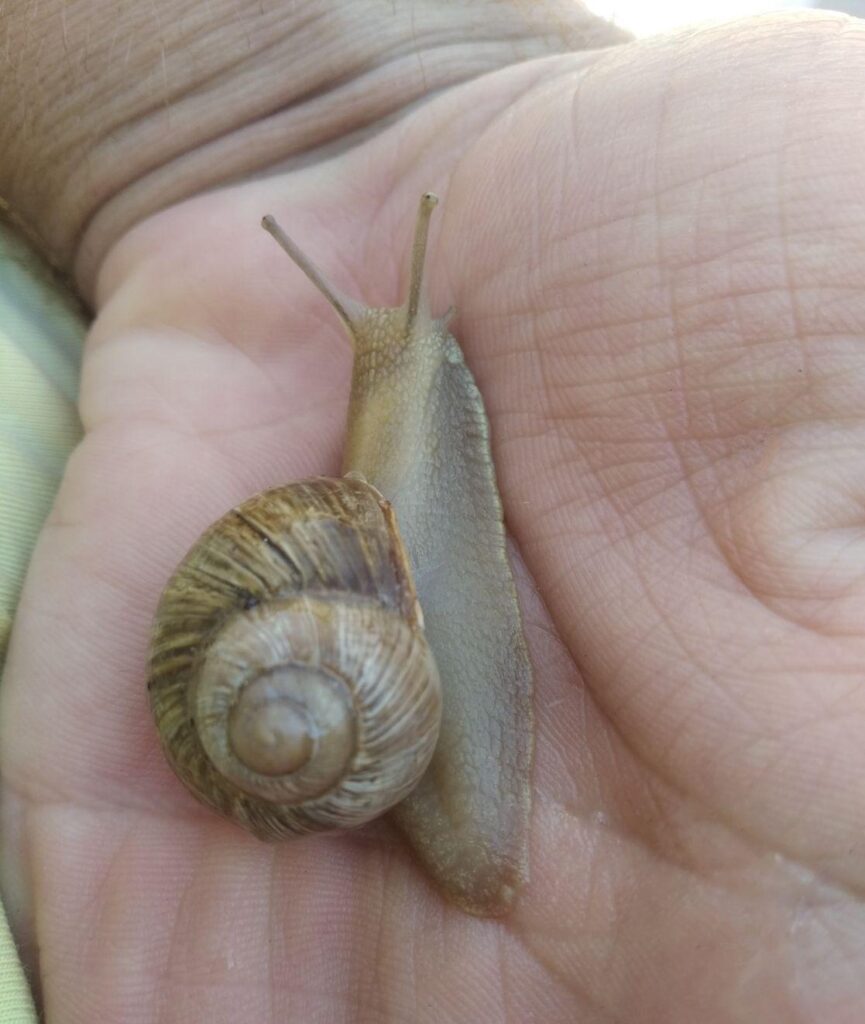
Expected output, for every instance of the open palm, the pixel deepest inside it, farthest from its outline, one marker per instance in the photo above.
(658, 281)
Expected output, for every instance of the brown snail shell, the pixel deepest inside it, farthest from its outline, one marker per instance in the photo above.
(291, 682)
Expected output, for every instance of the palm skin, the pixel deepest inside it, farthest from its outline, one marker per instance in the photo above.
(657, 266)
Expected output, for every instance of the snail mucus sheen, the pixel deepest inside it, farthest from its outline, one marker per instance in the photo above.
(334, 649)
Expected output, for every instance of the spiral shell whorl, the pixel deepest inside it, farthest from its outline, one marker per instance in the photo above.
(296, 609)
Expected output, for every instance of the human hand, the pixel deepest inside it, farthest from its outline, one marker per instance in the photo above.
(656, 258)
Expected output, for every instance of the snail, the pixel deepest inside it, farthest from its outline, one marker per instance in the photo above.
(337, 648)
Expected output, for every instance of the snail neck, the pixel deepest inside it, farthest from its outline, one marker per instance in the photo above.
(391, 430)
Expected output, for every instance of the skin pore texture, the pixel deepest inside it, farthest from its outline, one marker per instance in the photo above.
(656, 254)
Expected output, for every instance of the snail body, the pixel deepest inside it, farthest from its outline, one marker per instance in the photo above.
(418, 435)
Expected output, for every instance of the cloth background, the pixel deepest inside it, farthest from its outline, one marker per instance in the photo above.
(41, 333)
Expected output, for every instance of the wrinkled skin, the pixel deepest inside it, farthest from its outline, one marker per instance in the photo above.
(658, 265)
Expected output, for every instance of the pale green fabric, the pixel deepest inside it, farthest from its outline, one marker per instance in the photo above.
(16, 1004)
(41, 330)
